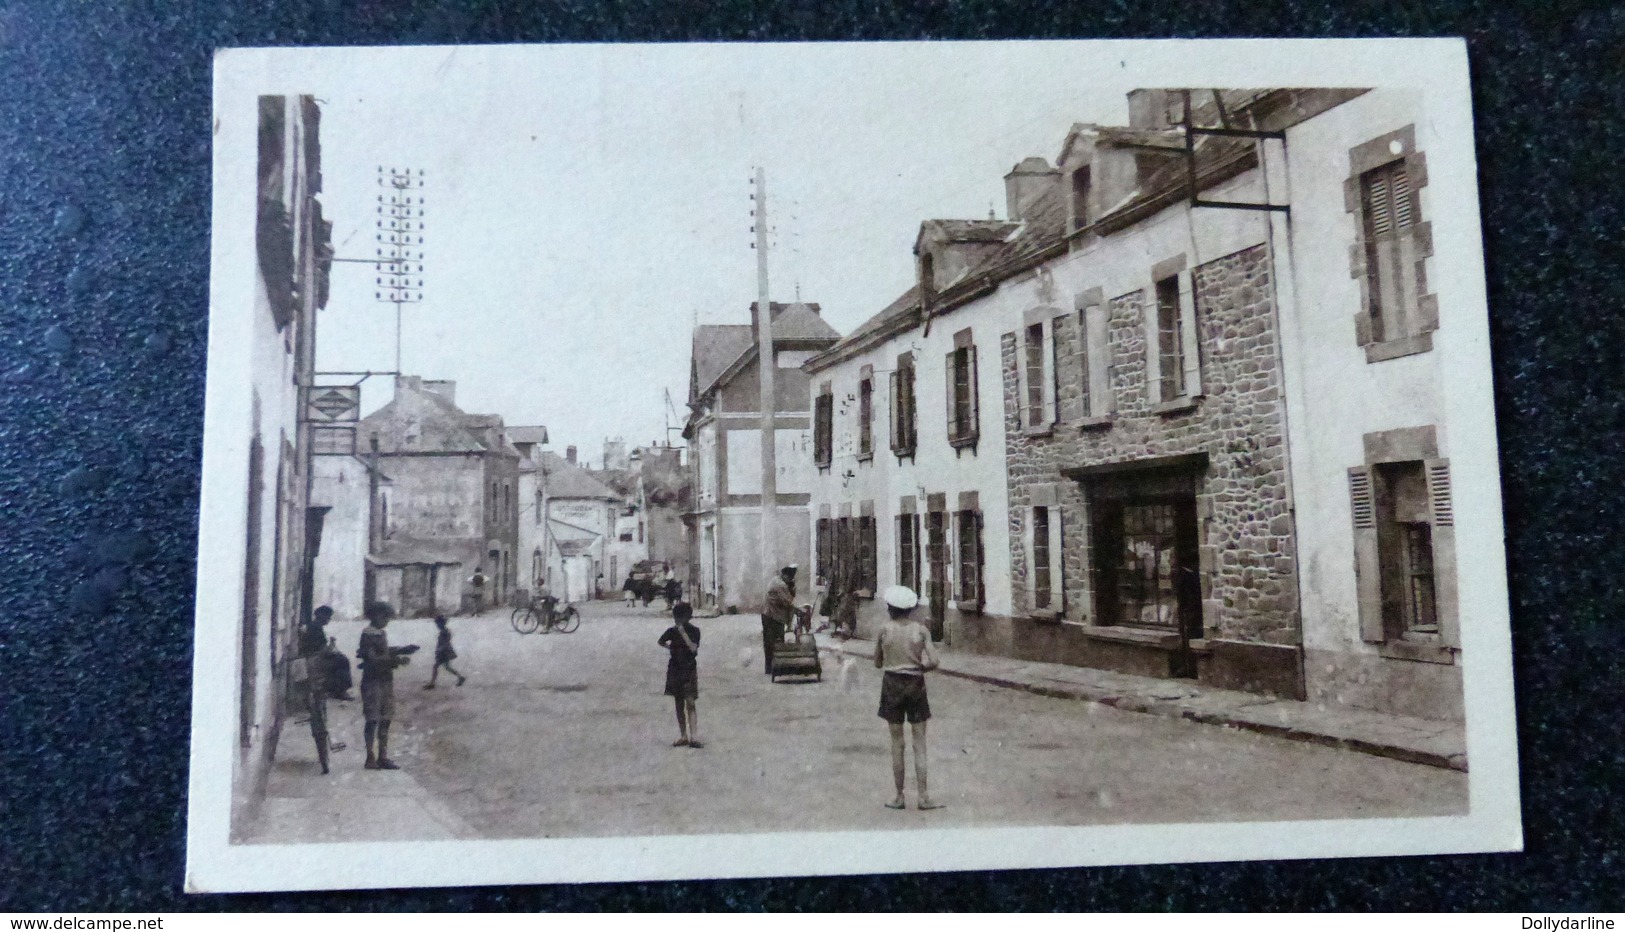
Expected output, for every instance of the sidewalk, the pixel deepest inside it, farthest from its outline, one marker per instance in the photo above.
(350, 804)
(1417, 740)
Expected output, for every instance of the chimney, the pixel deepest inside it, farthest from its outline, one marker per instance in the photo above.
(1025, 184)
(570, 455)
(445, 388)
(408, 383)
(1154, 108)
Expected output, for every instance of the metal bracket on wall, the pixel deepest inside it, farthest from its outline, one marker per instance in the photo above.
(1192, 131)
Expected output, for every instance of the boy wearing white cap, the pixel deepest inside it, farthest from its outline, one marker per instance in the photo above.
(905, 653)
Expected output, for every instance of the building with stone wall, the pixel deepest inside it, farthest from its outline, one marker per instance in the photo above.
(1138, 356)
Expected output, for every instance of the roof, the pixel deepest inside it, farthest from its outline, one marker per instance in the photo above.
(536, 434)
(563, 480)
(407, 553)
(799, 321)
(716, 347)
(969, 231)
(442, 427)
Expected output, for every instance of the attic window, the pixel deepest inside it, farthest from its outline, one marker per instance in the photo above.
(1080, 198)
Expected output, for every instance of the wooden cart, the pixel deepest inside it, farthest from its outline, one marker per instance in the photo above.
(797, 655)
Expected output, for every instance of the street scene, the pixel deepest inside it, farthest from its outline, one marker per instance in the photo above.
(569, 735)
(685, 452)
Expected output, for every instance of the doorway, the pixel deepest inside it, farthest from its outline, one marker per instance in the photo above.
(1146, 564)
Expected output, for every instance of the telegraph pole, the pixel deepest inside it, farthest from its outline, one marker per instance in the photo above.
(766, 364)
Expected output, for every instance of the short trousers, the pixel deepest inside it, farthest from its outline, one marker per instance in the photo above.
(377, 700)
(902, 698)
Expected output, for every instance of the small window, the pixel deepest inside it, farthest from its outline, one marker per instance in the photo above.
(1170, 340)
(1035, 375)
(963, 419)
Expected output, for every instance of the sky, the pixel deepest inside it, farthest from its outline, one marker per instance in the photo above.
(585, 206)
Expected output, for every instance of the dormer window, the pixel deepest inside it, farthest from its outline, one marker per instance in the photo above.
(1080, 198)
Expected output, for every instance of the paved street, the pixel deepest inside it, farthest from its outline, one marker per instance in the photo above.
(569, 735)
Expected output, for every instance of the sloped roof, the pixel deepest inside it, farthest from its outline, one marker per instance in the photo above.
(716, 347)
(800, 321)
(970, 231)
(528, 434)
(442, 427)
(562, 480)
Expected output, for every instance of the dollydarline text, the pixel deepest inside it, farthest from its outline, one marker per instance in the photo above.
(89, 925)
(1549, 924)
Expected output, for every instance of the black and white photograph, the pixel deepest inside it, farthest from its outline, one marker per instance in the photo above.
(674, 461)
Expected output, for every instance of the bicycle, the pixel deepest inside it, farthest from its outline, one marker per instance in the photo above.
(531, 618)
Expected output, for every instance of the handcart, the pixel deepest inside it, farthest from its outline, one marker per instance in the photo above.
(798, 654)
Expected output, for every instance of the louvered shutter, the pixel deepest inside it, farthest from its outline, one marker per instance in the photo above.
(1191, 350)
(1442, 509)
(975, 421)
(1367, 562)
(981, 561)
(1052, 414)
(1024, 418)
(1030, 552)
(1057, 561)
(895, 385)
(952, 377)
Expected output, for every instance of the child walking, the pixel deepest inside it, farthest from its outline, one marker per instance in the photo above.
(443, 654)
(683, 673)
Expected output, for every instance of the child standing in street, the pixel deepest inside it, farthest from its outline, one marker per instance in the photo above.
(443, 653)
(683, 674)
(905, 652)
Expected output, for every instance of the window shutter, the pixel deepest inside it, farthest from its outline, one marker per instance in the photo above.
(1052, 413)
(1100, 370)
(894, 384)
(1023, 381)
(1057, 562)
(975, 421)
(1367, 564)
(1192, 349)
(981, 562)
(1444, 550)
(910, 419)
(952, 373)
(1029, 551)
(1400, 196)
(1153, 344)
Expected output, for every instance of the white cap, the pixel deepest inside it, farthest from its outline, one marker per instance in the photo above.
(901, 598)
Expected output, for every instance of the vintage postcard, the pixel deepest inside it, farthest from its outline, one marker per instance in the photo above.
(639, 462)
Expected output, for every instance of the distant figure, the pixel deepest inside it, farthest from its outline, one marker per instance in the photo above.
(904, 651)
(778, 614)
(443, 654)
(629, 591)
(682, 640)
(477, 584)
(313, 654)
(674, 593)
(845, 621)
(378, 663)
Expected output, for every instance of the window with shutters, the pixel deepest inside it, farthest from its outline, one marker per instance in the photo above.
(1173, 362)
(1037, 371)
(821, 549)
(1404, 541)
(963, 420)
(1393, 241)
(866, 414)
(968, 529)
(1034, 346)
(904, 426)
(824, 427)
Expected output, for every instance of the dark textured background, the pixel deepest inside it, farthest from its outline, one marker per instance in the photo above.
(104, 226)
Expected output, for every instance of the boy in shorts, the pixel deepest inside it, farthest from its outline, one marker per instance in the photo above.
(904, 651)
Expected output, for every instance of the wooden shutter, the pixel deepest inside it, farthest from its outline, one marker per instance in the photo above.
(1442, 510)
(1029, 552)
(1057, 562)
(952, 372)
(1192, 348)
(974, 424)
(981, 557)
(1052, 413)
(911, 416)
(1023, 380)
(1367, 562)
(895, 385)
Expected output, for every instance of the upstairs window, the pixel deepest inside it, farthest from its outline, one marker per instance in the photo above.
(1170, 341)
(964, 423)
(904, 429)
(824, 427)
(1036, 378)
(1390, 213)
(1173, 365)
(1393, 240)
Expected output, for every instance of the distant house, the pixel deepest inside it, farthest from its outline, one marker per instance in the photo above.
(725, 461)
(446, 505)
(579, 516)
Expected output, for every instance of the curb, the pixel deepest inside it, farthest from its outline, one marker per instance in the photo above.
(1173, 709)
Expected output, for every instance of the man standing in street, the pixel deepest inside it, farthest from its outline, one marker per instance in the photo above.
(477, 584)
(778, 614)
(904, 651)
(378, 663)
